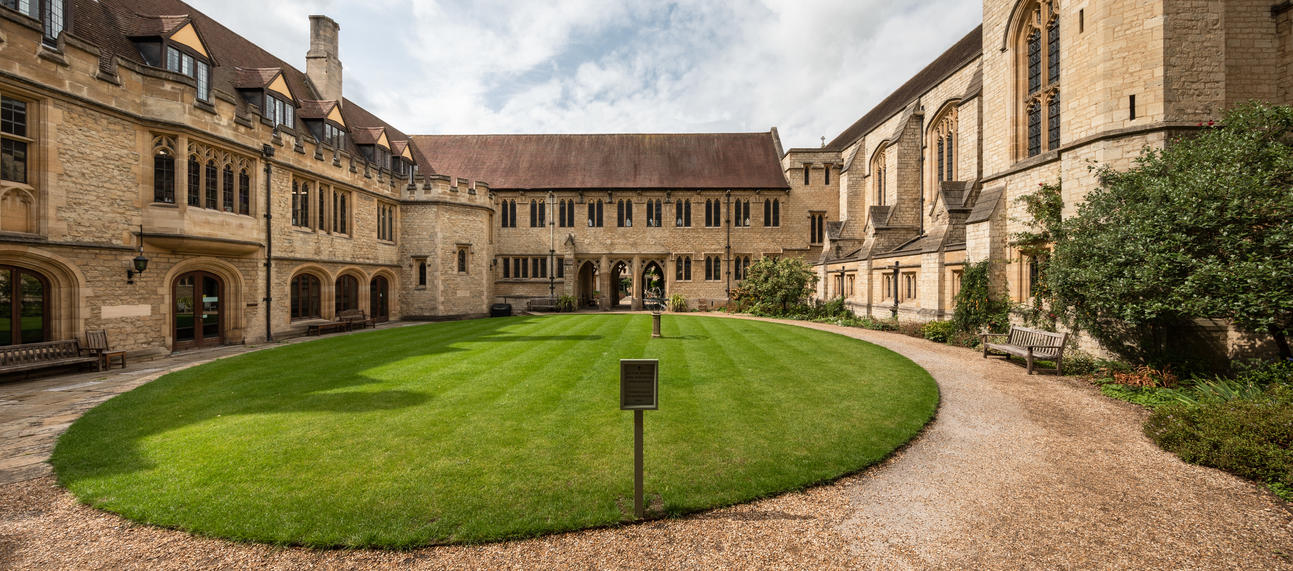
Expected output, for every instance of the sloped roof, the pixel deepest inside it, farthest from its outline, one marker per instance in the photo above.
(962, 52)
(366, 135)
(256, 77)
(986, 206)
(314, 109)
(617, 161)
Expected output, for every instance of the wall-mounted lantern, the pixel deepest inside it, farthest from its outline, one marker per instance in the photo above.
(140, 262)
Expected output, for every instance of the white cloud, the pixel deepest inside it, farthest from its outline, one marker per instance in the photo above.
(809, 67)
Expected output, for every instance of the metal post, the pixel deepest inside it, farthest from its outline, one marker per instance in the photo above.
(896, 273)
(637, 464)
(728, 248)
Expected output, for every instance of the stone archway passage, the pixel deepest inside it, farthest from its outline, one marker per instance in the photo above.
(651, 283)
(587, 285)
(620, 289)
(198, 316)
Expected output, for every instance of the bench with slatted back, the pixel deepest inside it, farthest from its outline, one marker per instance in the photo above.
(355, 318)
(1031, 344)
(29, 356)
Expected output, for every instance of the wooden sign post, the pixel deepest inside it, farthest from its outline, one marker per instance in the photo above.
(639, 391)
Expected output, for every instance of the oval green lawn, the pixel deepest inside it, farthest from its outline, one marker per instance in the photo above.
(489, 429)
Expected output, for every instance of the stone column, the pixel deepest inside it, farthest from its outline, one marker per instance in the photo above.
(604, 280)
(571, 268)
(670, 266)
(637, 284)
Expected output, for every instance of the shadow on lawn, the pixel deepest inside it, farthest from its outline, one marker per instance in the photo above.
(106, 441)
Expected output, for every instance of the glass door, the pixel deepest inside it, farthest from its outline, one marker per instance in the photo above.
(198, 310)
(379, 309)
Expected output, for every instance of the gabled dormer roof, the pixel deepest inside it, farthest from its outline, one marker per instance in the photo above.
(321, 110)
(401, 149)
(267, 78)
(370, 136)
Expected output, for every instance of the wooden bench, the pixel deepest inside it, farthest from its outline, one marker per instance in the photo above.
(29, 356)
(96, 343)
(327, 327)
(355, 317)
(1031, 344)
(541, 304)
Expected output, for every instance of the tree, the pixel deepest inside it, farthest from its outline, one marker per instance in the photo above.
(1202, 228)
(778, 283)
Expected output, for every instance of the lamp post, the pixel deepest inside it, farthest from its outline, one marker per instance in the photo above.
(140, 263)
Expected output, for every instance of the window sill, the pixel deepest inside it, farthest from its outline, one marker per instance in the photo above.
(205, 106)
(164, 205)
(52, 54)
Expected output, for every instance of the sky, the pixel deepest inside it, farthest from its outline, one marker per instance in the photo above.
(808, 67)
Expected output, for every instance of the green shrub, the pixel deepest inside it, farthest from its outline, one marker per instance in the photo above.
(911, 329)
(1249, 436)
(677, 302)
(566, 303)
(1149, 397)
(1265, 373)
(940, 331)
(971, 340)
(976, 308)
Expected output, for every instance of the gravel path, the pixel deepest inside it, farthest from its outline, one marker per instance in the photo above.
(1016, 471)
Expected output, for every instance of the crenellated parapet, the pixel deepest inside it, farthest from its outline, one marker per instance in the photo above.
(445, 188)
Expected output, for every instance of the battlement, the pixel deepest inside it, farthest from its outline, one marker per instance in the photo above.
(445, 187)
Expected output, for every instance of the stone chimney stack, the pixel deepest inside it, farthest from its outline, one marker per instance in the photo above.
(321, 63)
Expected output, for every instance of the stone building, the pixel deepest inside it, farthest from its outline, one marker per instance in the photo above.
(1043, 90)
(264, 201)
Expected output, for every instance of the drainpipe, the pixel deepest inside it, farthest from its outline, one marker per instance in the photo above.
(267, 151)
(728, 249)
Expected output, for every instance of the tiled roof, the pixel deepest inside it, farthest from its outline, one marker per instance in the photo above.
(255, 78)
(366, 135)
(110, 23)
(956, 56)
(672, 161)
(313, 109)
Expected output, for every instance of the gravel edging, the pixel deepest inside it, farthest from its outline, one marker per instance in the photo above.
(1014, 471)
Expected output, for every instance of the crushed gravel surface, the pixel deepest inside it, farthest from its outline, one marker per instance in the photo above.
(1016, 471)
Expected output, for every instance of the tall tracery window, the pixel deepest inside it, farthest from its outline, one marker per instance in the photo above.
(655, 212)
(943, 132)
(682, 268)
(244, 192)
(212, 180)
(595, 211)
(878, 173)
(1038, 46)
(226, 196)
(195, 181)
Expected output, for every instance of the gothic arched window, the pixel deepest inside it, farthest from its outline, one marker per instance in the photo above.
(1037, 45)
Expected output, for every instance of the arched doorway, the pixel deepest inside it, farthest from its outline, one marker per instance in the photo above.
(651, 283)
(24, 306)
(198, 311)
(587, 284)
(621, 283)
(378, 304)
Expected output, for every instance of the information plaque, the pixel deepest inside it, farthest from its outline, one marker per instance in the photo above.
(639, 384)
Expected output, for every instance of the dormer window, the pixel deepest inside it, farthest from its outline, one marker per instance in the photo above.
(401, 166)
(381, 156)
(185, 64)
(333, 135)
(279, 112)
